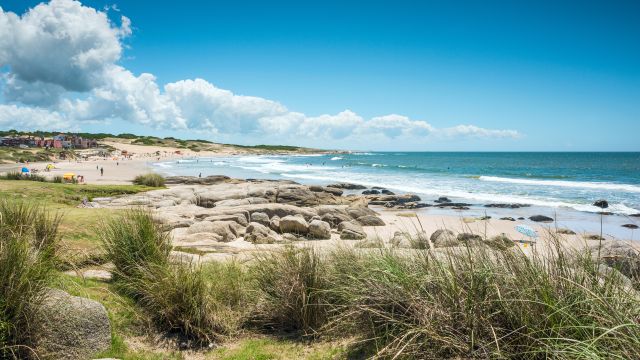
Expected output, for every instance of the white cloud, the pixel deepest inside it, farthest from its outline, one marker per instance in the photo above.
(61, 43)
(63, 58)
(474, 131)
(219, 110)
(28, 118)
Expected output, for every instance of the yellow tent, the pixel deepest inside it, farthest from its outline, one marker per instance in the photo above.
(68, 176)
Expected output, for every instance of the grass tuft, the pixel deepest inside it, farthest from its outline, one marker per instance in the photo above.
(152, 180)
(28, 243)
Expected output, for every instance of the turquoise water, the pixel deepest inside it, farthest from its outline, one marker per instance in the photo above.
(557, 180)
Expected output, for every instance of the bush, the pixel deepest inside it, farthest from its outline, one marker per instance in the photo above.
(28, 242)
(153, 180)
(57, 179)
(291, 284)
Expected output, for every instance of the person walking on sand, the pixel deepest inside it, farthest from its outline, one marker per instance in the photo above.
(101, 171)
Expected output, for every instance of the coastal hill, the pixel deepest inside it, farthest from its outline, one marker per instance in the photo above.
(22, 146)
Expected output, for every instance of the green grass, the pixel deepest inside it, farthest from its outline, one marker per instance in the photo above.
(151, 180)
(63, 194)
(277, 349)
(28, 244)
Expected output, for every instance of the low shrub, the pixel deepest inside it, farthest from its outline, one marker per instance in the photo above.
(153, 180)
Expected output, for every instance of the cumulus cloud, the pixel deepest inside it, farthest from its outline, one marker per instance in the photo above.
(28, 118)
(62, 68)
(61, 44)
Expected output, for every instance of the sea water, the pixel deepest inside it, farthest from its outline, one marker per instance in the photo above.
(567, 182)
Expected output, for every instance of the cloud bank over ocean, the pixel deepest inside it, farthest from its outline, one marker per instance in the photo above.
(59, 68)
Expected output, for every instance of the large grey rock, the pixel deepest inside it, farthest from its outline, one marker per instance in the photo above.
(331, 190)
(294, 224)
(259, 234)
(260, 218)
(228, 230)
(444, 238)
(370, 220)
(319, 229)
(351, 231)
(400, 240)
(70, 327)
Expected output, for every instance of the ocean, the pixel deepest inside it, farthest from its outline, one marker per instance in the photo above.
(568, 181)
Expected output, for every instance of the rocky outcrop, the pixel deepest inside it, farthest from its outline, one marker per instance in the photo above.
(70, 327)
(442, 200)
(630, 226)
(566, 232)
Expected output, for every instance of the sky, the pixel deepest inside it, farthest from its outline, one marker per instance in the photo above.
(364, 75)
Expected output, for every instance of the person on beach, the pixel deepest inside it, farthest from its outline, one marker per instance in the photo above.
(101, 171)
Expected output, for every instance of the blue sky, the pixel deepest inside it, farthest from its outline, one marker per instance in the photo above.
(562, 75)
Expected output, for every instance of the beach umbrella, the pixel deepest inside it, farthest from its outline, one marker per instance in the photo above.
(25, 170)
(526, 230)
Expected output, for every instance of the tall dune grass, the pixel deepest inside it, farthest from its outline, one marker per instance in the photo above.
(28, 243)
(178, 297)
(474, 303)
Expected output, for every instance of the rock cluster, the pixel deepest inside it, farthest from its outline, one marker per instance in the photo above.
(220, 209)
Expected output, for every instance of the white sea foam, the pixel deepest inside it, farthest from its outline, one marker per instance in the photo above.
(561, 183)
(336, 158)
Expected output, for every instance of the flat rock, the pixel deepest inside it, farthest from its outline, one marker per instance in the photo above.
(227, 230)
(630, 226)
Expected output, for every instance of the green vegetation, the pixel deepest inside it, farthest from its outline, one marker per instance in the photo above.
(176, 297)
(28, 243)
(152, 180)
